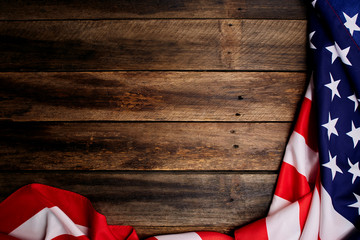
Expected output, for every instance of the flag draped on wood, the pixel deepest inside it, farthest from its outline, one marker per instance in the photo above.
(318, 190)
(39, 212)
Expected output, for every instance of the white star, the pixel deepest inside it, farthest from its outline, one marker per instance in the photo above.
(333, 87)
(354, 134)
(313, 3)
(312, 46)
(330, 126)
(354, 170)
(336, 52)
(351, 23)
(356, 204)
(332, 165)
(355, 100)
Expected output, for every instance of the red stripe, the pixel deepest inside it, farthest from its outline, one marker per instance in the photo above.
(70, 237)
(291, 184)
(75, 206)
(306, 124)
(304, 204)
(29, 200)
(7, 237)
(213, 236)
(256, 230)
(123, 232)
(18, 208)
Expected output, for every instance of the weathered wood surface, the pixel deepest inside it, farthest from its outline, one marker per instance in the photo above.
(114, 9)
(192, 144)
(142, 146)
(153, 45)
(184, 200)
(145, 231)
(150, 96)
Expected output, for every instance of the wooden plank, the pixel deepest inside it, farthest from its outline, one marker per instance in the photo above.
(153, 45)
(150, 96)
(145, 231)
(159, 200)
(142, 146)
(110, 9)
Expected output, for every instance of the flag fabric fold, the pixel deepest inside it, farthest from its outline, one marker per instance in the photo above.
(317, 195)
(193, 236)
(38, 212)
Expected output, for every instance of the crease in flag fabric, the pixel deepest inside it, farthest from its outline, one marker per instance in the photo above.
(317, 195)
(40, 212)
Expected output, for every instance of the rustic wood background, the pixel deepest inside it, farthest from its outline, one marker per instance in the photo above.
(168, 115)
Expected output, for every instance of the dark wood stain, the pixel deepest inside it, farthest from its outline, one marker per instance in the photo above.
(152, 45)
(152, 96)
(112, 9)
(141, 146)
(170, 116)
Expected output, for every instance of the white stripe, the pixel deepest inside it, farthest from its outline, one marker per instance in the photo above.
(181, 236)
(332, 224)
(312, 224)
(284, 224)
(310, 89)
(277, 204)
(48, 224)
(302, 157)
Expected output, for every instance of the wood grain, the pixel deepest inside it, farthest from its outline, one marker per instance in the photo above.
(145, 231)
(153, 45)
(170, 116)
(150, 96)
(151, 200)
(110, 9)
(142, 146)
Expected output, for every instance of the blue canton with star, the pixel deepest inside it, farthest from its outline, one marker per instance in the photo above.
(334, 37)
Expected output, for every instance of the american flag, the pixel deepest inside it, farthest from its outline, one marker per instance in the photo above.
(318, 190)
